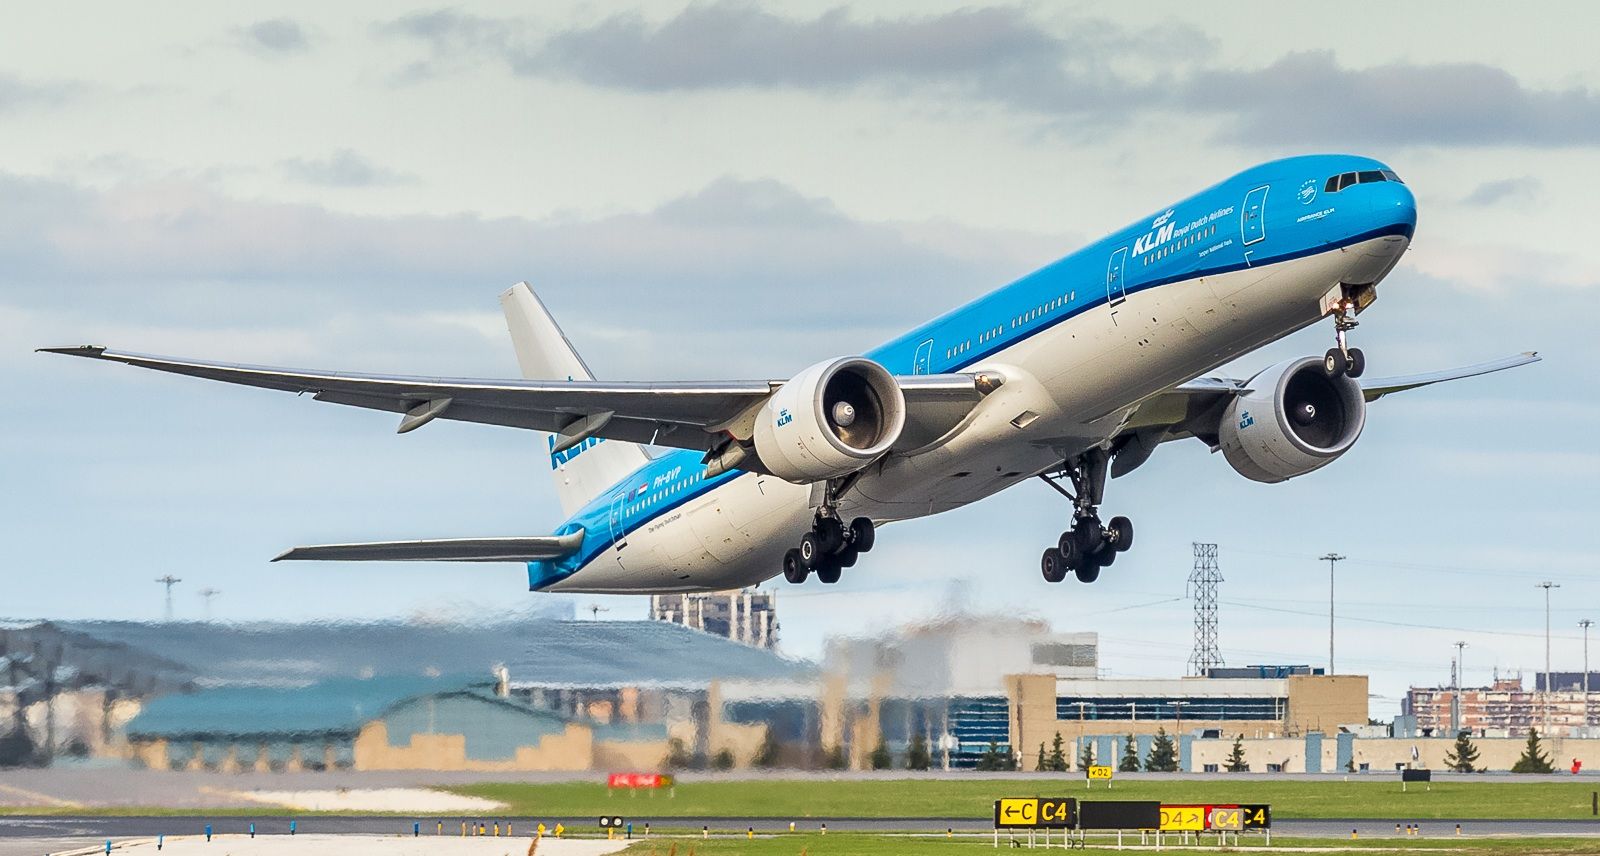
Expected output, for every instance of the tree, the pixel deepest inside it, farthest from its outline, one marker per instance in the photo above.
(767, 755)
(1532, 760)
(880, 758)
(1236, 762)
(835, 759)
(1163, 754)
(1463, 755)
(723, 760)
(995, 759)
(678, 756)
(1043, 764)
(1086, 755)
(917, 757)
(1058, 755)
(1130, 756)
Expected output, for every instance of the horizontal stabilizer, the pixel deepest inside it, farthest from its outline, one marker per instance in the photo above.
(532, 549)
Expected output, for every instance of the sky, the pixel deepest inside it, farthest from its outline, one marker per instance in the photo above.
(732, 190)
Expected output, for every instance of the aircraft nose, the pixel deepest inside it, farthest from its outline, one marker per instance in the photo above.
(1394, 204)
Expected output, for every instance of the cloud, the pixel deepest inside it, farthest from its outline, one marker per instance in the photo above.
(1056, 70)
(1505, 190)
(275, 37)
(343, 168)
(1307, 97)
(17, 93)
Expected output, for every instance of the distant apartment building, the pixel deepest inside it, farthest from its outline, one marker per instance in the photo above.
(744, 615)
(1505, 707)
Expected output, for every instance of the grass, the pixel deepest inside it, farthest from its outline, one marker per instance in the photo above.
(853, 844)
(955, 798)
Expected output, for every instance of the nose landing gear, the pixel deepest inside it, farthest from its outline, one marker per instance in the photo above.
(1087, 545)
(1343, 359)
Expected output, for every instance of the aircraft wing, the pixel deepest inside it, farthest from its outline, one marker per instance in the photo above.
(444, 550)
(683, 415)
(1193, 409)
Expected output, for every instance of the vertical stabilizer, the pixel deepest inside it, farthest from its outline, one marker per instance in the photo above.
(543, 352)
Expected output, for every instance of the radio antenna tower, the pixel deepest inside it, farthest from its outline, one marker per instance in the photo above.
(1203, 588)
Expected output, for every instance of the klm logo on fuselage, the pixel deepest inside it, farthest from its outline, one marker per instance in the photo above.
(1160, 232)
(559, 458)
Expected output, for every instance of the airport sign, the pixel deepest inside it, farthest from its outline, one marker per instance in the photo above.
(1035, 813)
(1099, 772)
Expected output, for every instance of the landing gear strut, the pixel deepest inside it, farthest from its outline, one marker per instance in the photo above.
(831, 545)
(1087, 545)
(1343, 359)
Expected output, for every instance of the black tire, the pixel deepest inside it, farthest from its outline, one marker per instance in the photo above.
(831, 532)
(1358, 363)
(1067, 546)
(1051, 564)
(1334, 362)
(1088, 572)
(794, 570)
(811, 552)
(1105, 558)
(863, 534)
(848, 556)
(1121, 534)
(1089, 536)
(830, 572)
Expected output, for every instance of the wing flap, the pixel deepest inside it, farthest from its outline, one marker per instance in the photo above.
(529, 549)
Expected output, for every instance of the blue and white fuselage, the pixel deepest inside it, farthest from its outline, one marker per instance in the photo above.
(1081, 344)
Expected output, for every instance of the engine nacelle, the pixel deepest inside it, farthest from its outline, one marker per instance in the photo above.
(1294, 420)
(830, 420)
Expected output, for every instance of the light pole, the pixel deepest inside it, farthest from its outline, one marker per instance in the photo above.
(1455, 714)
(1585, 624)
(1331, 558)
(169, 581)
(1545, 718)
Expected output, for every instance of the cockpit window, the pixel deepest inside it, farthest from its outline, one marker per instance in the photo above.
(1339, 182)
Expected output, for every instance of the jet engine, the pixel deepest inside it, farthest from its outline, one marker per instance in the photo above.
(830, 420)
(1294, 419)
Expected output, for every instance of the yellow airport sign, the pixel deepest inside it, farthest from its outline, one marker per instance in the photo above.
(1035, 812)
(1098, 772)
(1183, 818)
(1230, 819)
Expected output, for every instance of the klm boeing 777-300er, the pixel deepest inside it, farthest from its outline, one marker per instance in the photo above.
(1073, 374)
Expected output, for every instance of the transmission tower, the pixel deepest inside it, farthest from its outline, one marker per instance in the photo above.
(1203, 588)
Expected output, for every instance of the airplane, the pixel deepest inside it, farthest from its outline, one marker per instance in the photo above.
(1073, 374)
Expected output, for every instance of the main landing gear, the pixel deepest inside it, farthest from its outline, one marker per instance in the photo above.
(828, 548)
(1343, 359)
(1087, 545)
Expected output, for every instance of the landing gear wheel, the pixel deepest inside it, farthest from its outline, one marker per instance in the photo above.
(794, 570)
(1335, 363)
(829, 572)
(862, 534)
(1088, 572)
(1067, 546)
(811, 552)
(1121, 534)
(831, 533)
(1088, 535)
(847, 557)
(1104, 558)
(1053, 567)
(1358, 363)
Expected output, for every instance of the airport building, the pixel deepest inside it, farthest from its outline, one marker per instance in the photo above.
(1505, 707)
(746, 615)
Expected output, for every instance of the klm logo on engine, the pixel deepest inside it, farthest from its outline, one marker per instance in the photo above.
(559, 458)
(1246, 420)
(784, 418)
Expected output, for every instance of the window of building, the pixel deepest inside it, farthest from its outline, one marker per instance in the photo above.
(1211, 768)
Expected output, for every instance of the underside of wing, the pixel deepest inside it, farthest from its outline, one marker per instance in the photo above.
(685, 415)
(529, 549)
